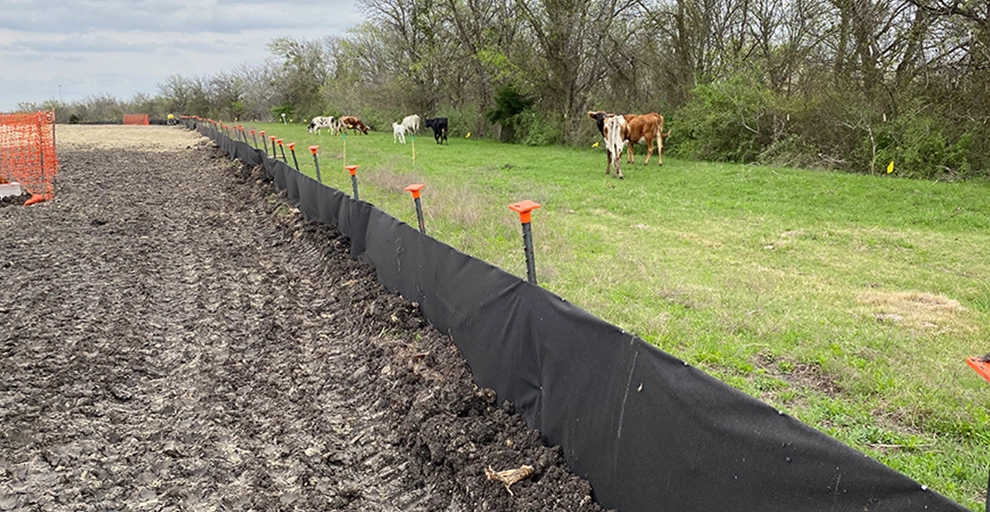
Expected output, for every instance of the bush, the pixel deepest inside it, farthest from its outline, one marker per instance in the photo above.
(510, 104)
(540, 129)
(462, 120)
(921, 148)
(726, 120)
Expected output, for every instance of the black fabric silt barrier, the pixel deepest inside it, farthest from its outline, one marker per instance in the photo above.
(649, 432)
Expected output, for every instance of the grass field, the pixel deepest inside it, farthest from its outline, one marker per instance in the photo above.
(848, 301)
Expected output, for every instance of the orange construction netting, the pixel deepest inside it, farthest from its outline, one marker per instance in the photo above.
(135, 118)
(27, 152)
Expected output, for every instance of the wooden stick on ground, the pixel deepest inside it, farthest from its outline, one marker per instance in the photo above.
(510, 476)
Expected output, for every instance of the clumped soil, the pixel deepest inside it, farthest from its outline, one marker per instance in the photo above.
(175, 336)
(14, 200)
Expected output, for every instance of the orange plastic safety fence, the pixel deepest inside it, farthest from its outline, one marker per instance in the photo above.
(135, 118)
(27, 152)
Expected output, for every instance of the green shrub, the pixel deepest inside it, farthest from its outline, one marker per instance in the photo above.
(921, 147)
(725, 120)
(510, 105)
(542, 129)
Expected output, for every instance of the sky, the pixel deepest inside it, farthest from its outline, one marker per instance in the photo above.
(69, 50)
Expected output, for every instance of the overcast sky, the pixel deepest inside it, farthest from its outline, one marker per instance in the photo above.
(125, 47)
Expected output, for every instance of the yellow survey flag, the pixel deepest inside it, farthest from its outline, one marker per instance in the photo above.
(595, 145)
(890, 167)
(468, 136)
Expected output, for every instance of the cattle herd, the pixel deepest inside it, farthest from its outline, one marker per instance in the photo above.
(619, 131)
(399, 130)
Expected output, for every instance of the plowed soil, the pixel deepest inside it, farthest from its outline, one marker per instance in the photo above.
(175, 336)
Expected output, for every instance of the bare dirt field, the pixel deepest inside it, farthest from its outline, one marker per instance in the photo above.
(174, 336)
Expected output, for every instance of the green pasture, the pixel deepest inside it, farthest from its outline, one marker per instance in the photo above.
(848, 301)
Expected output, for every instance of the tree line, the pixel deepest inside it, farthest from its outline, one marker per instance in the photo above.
(836, 84)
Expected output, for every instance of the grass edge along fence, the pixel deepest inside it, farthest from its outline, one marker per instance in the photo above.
(648, 431)
(27, 153)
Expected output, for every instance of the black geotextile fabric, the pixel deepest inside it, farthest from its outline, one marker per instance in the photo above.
(649, 432)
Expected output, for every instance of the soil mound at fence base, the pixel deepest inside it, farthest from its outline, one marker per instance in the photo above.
(181, 338)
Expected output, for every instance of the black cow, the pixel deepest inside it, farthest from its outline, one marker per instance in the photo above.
(439, 125)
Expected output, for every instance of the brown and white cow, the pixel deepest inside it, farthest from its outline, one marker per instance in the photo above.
(615, 130)
(646, 128)
(354, 123)
(600, 117)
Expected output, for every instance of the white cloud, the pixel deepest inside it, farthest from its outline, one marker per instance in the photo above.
(125, 47)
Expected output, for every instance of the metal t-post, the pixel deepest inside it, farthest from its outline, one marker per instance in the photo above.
(282, 149)
(527, 230)
(316, 160)
(292, 149)
(415, 189)
(353, 170)
(982, 366)
(524, 209)
(41, 153)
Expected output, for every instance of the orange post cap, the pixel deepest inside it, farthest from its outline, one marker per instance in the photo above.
(314, 149)
(523, 208)
(292, 146)
(279, 141)
(415, 188)
(981, 365)
(262, 132)
(352, 169)
(273, 138)
(252, 132)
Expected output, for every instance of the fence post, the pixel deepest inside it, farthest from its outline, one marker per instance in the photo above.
(316, 160)
(415, 189)
(353, 171)
(982, 367)
(274, 151)
(263, 141)
(282, 149)
(524, 209)
(253, 137)
(41, 154)
(292, 149)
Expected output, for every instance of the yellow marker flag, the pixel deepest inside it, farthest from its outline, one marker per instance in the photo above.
(468, 136)
(890, 167)
(595, 145)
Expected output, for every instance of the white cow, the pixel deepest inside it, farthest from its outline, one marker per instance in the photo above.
(398, 133)
(411, 123)
(319, 122)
